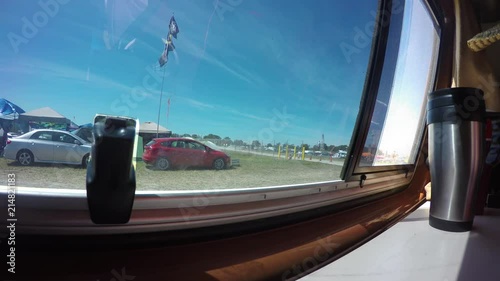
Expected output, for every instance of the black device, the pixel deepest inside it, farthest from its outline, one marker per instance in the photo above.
(110, 173)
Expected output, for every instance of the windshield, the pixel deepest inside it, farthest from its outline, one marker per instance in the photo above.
(211, 145)
(275, 84)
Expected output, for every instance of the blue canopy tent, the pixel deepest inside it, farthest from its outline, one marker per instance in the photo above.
(8, 110)
(88, 125)
(8, 113)
(85, 132)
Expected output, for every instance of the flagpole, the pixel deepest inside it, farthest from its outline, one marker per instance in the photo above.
(173, 29)
(168, 112)
(159, 107)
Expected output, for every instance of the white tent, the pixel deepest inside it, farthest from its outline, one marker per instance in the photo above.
(44, 114)
(147, 131)
(151, 127)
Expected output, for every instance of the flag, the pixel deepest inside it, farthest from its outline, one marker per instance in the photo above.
(163, 58)
(173, 27)
(168, 107)
(168, 43)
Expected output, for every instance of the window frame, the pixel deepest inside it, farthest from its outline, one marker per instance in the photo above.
(298, 254)
(161, 210)
(352, 170)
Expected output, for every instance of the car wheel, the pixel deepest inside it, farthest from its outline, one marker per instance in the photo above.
(162, 164)
(219, 164)
(25, 157)
(85, 160)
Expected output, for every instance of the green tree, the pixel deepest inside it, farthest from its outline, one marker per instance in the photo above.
(255, 143)
(342, 147)
(212, 137)
(227, 141)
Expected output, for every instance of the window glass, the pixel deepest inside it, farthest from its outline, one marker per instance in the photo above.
(397, 123)
(195, 145)
(42, 136)
(178, 144)
(60, 137)
(273, 85)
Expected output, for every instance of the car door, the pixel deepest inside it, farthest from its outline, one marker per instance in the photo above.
(195, 154)
(42, 146)
(177, 153)
(66, 149)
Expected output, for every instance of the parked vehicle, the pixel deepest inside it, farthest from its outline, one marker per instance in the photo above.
(166, 153)
(48, 146)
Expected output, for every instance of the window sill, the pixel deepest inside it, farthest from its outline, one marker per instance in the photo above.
(65, 212)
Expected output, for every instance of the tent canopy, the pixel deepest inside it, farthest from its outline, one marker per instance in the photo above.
(150, 128)
(45, 114)
(8, 110)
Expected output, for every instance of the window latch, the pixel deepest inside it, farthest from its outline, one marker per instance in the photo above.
(362, 180)
(110, 173)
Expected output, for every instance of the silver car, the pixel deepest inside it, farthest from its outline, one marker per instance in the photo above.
(48, 146)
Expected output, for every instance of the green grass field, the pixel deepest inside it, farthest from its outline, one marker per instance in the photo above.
(254, 171)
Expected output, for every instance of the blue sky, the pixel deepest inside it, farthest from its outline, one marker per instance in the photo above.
(235, 73)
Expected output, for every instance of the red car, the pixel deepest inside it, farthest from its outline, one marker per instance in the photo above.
(166, 153)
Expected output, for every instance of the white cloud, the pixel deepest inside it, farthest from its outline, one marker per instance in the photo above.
(196, 51)
(35, 66)
(195, 103)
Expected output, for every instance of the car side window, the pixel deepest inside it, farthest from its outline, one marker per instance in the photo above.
(166, 144)
(59, 137)
(194, 145)
(70, 139)
(181, 144)
(42, 136)
(178, 144)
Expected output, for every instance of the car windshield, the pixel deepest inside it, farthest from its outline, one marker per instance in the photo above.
(275, 84)
(212, 145)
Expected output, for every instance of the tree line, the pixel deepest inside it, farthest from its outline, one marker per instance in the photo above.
(256, 144)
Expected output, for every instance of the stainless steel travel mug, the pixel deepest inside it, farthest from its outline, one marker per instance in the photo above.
(456, 124)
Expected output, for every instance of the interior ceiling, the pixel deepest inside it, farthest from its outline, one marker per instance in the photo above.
(488, 14)
(488, 11)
